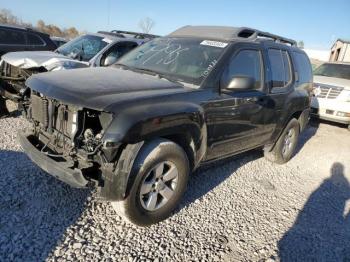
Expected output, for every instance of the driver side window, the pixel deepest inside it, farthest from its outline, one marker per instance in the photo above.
(246, 63)
(117, 51)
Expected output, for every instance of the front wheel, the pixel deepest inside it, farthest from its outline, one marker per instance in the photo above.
(162, 173)
(285, 146)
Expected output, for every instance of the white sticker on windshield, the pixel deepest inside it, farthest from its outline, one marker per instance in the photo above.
(214, 43)
(107, 40)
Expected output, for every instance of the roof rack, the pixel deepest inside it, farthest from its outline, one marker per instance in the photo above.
(256, 34)
(124, 34)
(228, 33)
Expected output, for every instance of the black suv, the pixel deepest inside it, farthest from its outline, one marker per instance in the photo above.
(17, 38)
(139, 128)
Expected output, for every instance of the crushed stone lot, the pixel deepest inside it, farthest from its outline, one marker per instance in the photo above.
(241, 209)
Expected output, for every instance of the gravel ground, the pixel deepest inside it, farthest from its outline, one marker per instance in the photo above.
(242, 209)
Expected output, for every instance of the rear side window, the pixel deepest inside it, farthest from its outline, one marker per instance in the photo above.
(245, 63)
(34, 40)
(281, 72)
(303, 67)
(11, 37)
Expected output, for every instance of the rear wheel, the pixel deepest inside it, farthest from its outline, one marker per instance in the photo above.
(162, 173)
(285, 146)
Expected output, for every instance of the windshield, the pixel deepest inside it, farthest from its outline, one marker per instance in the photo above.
(183, 59)
(83, 47)
(334, 70)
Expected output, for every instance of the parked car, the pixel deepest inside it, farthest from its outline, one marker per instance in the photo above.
(332, 93)
(137, 129)
(90, 50)
(58, 40)
(17, 38)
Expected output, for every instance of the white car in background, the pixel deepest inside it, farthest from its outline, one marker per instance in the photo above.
(331, 99)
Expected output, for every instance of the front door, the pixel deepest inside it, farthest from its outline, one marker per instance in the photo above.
(239, 116)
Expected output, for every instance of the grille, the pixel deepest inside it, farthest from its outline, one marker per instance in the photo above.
(40, 111)
(328, 92)
(53, 117)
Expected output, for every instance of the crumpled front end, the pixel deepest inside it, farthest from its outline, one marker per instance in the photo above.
(12, 81)
(67, 141)
(17, 67)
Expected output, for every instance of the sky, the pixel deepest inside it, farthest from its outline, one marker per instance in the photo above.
(317, 23)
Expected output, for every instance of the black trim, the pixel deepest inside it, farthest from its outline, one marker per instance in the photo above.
(72, 177)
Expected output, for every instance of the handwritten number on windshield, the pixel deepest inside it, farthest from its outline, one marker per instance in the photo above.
(171, 50)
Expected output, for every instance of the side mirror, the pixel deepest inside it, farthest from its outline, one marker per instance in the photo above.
(241, 83)
(109, 60)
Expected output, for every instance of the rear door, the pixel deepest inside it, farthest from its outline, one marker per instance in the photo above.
(35, 42)
(239, 116)
(280, 86)
(12, 40)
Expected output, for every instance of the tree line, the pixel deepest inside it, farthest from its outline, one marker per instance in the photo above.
(6, 17)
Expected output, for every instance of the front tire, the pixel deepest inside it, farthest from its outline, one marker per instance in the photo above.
(285, 146)
(162, 171)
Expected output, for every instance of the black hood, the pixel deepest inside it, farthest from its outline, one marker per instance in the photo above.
(100, 88)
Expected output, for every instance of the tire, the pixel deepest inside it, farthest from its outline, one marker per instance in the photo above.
(286, 144)
(140, 207)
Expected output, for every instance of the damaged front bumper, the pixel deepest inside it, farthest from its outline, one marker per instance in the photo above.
(61, 170)
(9, 95)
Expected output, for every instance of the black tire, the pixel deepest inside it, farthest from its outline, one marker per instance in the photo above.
(281, 153)
(152, 154)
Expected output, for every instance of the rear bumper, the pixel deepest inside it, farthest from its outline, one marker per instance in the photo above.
(60, 170)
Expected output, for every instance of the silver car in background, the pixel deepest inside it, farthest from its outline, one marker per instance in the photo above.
(331, 99)
(89, 50)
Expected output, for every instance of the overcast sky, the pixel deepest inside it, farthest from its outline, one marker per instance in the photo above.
(317, 23)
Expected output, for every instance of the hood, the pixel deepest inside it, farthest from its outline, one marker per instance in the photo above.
(332, 81)
(100, 88)
(47, 59)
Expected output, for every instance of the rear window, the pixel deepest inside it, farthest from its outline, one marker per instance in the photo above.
(11, 37)
(303, 67)
(280, 68)
(334, 70)
(34, 40)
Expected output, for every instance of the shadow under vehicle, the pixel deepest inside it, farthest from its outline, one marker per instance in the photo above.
(137, 129)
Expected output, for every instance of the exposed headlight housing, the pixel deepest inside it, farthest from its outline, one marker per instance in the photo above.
(74, 123)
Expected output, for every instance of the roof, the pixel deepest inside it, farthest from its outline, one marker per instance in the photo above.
(343, 40)
(128, 34)
(228, 33)
(24, 28)
(115, 37)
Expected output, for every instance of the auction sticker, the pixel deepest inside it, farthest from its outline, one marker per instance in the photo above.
(214, 43)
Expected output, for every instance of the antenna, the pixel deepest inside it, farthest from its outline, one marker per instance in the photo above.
(108, 13)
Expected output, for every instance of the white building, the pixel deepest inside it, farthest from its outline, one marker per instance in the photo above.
(340, 51)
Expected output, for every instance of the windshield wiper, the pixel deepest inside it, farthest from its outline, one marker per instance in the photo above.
(123, 66)
(170, 79)
(149, 72)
